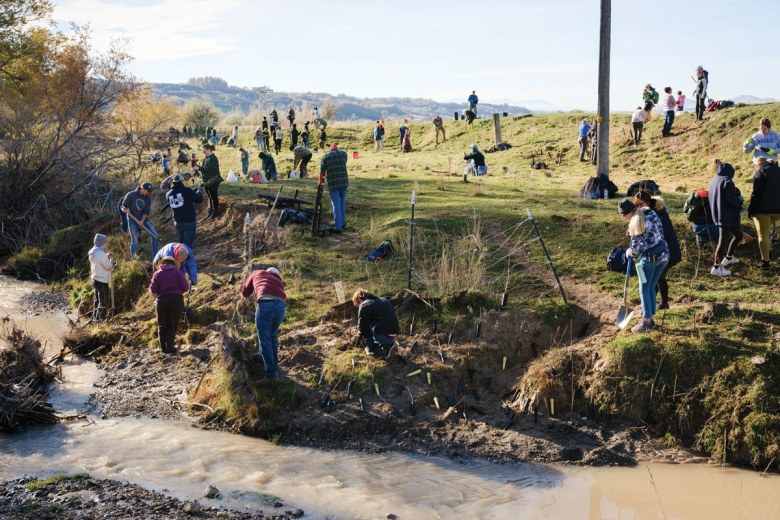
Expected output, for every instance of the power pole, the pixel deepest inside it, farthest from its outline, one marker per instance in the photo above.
(603, 108)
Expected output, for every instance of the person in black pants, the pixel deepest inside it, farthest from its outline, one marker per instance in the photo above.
(168, 286)
(377, 322)
(209, 169)
(701, 91)
(725, 204)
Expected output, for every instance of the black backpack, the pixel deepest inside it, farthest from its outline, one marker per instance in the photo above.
(647, 185)
(382, 252)
(617, 261)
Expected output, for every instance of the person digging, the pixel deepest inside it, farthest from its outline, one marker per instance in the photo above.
(377, 323)
(267, 287)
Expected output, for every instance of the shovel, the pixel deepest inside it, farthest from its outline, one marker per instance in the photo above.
(624, 315)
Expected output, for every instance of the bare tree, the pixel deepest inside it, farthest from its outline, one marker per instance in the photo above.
(60, 152)
(329, 110)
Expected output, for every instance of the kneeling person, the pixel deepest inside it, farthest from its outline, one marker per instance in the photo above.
(377, 322)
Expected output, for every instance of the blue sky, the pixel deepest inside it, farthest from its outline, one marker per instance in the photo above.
(442, 49)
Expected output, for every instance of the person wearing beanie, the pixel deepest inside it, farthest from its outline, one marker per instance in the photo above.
(333, 168)
(101, 264)
(377, 323)
(135, 207)
(183, 255)
(651, 252)
(209, 169)
(267, 287)
(168, 286)
(182, 200)
(438, 125)
(725, 203)
(476, 161)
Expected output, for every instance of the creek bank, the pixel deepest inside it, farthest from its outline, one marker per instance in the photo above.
(82, 497)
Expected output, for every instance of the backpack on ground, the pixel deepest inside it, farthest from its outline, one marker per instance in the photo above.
(647, 185)
(616, 260)
(383, 252)
(596, 186)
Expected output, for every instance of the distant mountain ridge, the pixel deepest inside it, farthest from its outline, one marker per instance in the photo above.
(228, 98)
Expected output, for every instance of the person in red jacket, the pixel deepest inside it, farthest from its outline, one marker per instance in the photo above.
(268, 289)
(168, 286)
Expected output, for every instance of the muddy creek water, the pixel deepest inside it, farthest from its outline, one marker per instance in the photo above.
(182, 460)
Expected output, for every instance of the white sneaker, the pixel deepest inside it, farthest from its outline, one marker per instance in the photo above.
(720, 271)
(734, 260)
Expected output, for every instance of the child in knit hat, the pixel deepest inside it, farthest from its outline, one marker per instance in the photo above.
(101, 264)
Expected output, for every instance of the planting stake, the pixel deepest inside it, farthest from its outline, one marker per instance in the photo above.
(503, 364)
(436, 402)
(429, 377)
(410, 374)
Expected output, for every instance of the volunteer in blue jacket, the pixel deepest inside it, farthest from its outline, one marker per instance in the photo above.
(764, 143)
(182, 201)
(183, 256)
(584, 130)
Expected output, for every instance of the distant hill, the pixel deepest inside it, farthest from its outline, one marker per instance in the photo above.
(228, 98)
(753, 100)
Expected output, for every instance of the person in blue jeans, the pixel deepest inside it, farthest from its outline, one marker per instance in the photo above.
(377, 323)
(268, 289)
(333, 167)
(135, 208)
(651, 253)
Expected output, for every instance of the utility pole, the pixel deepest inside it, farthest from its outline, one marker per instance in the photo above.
(603, 108)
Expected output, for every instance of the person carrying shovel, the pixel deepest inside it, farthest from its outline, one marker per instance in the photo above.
(136, 207)
(651, 252)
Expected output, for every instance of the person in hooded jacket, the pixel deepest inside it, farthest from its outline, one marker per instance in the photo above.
(725, 204)
(182, 200)
(764, 205)
(101, 264)
(477, 160)
(377, 322)
(644, 199)
(184, 257)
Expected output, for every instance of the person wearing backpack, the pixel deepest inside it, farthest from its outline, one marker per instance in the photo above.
(764, 143)
(764, 206)
(702, 81)
(638, 123)
(378, 144)
(643, 199)
(652, 253)
(650, 97)
(725, 205)
(697, 211)
(583, 140)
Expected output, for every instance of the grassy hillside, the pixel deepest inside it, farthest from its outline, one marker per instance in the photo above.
(474, 237)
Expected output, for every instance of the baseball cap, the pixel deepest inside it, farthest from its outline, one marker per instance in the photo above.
(147, 186)
(178, 178)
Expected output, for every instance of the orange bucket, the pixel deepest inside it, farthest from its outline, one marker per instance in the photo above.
(355, 155)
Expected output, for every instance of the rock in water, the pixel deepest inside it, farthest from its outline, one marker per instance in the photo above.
(211, 492)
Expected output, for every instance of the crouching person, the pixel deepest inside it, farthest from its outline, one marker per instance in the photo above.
(168, 286)
(268, 289)
(377, 322)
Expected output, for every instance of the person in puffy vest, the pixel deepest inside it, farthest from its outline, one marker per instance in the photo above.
(764, 205)
(267, 287)
(377, 322)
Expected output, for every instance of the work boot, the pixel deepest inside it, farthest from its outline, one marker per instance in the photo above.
(642, 326)
(163, 342)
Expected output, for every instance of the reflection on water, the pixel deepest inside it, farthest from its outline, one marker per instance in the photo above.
(184, 460)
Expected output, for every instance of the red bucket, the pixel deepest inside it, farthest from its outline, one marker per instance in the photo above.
(355, 155)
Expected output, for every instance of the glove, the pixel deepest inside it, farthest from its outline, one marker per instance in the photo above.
(749, 140)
